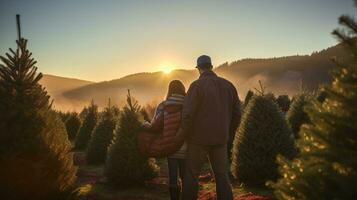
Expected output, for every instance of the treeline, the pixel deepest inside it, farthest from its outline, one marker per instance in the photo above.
(109, 138)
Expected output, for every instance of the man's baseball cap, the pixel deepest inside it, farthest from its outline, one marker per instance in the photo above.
(204, 60)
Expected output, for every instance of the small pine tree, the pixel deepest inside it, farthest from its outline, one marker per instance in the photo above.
(145, 114)
(283, 102)
(249, 95)
(83, 114)
(326, 167)
(262, 135)
(63, 115)
(102, 136)
(35, 158)
(297, 115)
(230, 142)
(125, 166)
(150, 109)
(73, 123)
(88, 125)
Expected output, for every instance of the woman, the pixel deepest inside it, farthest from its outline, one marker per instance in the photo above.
(166, 121)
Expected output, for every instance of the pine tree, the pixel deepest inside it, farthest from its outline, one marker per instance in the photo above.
(63, 115)
(327, 165)
(73, 123)
(150, 109)
(262, 135)
(102, 135)
(35, 158)
(88, 125)
(321, 96)
(83, 113)
(283, 102)
(125, 166)
(297, 115)
(249, 95)
(145, 114)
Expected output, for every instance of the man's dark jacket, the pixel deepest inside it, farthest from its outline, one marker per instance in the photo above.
(211, 111)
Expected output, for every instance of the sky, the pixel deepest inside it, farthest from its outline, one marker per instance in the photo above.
(108, 39)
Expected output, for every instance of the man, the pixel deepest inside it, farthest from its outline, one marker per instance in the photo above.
(210, 116)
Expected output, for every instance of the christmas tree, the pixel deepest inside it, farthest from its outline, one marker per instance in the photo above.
(232, 137)
(102, 135)
(145, 114)
(249, 95)
(125, 166)
(88, 125)
(283, 102)
(326, 168)
(35, 158)
(321, 95)
(73, 123)
(297, 115)
(83, 113)
(262, 135)
(63, 115)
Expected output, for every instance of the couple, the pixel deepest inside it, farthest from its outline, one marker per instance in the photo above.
(202, 122)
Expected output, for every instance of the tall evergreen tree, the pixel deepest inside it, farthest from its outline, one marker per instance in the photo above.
(262, 135)
(73, 123)
(102, 135)
(125, 166)
(88, 125)
(327, 165)
(35, 158)
(297, 115)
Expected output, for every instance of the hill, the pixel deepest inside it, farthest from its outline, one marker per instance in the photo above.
(57, 85)
(280, 75)
(145, 87)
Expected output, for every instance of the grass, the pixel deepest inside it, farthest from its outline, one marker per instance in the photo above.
(106, 192)
(98, 169)
(239, 190)
(92, 186)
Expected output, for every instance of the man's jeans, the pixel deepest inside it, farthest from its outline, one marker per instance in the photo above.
(195, 158)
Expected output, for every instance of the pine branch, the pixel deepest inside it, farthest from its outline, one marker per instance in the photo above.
(261, 91)
(349, 22)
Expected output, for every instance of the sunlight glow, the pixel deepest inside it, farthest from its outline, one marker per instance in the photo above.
(166, 68)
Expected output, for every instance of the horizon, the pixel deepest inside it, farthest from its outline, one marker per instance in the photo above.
(107, 40)
(189, 69)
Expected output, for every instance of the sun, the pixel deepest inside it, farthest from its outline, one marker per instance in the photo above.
(166, 68)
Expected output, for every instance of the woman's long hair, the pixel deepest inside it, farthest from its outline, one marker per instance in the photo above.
(176, 87)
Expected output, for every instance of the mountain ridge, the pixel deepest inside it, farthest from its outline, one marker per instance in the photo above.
(281, 75)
